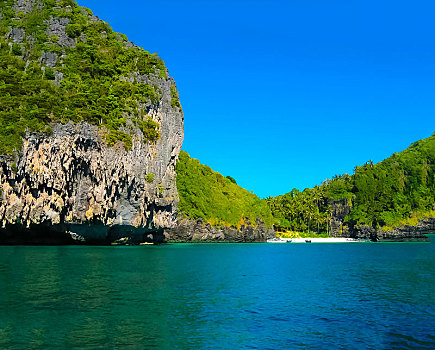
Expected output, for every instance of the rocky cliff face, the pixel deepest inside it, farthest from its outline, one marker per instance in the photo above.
(70, 185)
(72, 182)
(198, 231)
(399, 234)
(339, 210)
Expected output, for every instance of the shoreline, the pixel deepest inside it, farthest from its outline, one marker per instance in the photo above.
(326, 240)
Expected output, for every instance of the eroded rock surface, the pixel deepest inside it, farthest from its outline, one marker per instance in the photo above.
(187, 230)
(72, 182)
(399, 234)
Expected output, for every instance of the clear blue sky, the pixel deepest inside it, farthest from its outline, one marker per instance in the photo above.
(284, 94)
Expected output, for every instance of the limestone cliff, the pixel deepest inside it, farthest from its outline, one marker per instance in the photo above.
(339, 210)
(99, 178)
(73, 182)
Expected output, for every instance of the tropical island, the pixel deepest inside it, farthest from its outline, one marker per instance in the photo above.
(91, 130)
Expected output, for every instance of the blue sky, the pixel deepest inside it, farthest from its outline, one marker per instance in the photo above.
(284, 94)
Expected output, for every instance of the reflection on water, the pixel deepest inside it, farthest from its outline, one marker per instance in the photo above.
(222, 296)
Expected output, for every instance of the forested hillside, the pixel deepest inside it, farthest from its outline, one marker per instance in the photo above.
(207, 194)
(396, 191)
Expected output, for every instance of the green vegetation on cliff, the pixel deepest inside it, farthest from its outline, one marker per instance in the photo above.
(207, 194)
(86, 72)
(393, 192)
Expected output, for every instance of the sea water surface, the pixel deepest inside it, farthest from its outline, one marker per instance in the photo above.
(218, 296)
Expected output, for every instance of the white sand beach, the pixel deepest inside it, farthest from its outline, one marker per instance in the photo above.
(326, 240)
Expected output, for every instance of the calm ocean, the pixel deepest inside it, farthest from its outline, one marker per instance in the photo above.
(219, 296)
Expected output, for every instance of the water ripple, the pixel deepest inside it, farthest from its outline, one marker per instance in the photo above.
(226, 296)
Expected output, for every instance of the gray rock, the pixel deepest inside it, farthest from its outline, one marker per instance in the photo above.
(188, 230)
(408, 233)
(366, 232)
(16, 35)
(56, 27)
(49, 59)
(339, 211)
(25, 6)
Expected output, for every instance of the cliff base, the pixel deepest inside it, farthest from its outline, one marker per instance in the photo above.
(198, 231)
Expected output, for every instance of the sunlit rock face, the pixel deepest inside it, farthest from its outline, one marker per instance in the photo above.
(71, 181)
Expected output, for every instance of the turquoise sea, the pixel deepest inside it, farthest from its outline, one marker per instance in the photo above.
(219, 296)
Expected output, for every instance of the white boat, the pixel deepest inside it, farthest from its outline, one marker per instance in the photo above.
(278, 240)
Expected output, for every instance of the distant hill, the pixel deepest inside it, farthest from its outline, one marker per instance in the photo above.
(394, 192)
(218, 200)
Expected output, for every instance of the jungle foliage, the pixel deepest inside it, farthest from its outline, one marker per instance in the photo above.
(207, 194)
(388, 194)
(93, 79)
